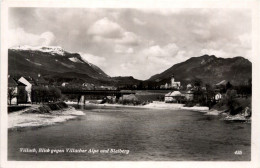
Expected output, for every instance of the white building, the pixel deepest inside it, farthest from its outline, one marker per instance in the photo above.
(189, 86)
(175, 85)
(173, 97)
(64, 84)
(28, 88)
(189, 95)
(218, 97)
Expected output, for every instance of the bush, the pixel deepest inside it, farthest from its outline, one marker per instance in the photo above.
(129, 102)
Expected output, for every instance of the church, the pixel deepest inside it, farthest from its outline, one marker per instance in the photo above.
(174, 84)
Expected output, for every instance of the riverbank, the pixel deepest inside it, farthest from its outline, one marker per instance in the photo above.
(42, 115)
(162, 105)
(153, 105)
(242, 106)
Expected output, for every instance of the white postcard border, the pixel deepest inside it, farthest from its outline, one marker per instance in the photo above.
(255, 147)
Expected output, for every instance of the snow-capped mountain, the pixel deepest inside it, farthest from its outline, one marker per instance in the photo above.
(54, 63)
(47, 49)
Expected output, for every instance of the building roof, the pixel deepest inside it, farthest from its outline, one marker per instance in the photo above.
(13, 83)
(168, 94)
(224, 82)
(21, 84)
(174, 93)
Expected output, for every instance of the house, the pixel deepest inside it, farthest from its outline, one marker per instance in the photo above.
(189, 95)
(166, 86)
(218, 97)
(28, 88)
(189, 86)
(174, 97)
(106, 88)
(88, 86)
(16, 92)
(64, 84)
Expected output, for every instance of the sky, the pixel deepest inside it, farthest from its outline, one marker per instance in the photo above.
(134, 42)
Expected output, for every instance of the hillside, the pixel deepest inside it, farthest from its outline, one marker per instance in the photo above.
(54, 64)
(209, 69)
(126, 80)
(57, 66)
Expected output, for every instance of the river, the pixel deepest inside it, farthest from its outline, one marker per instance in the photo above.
(147, 134)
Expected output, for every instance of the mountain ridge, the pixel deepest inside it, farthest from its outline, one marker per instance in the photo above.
(58, 65)
(210, 69)
(52, 61)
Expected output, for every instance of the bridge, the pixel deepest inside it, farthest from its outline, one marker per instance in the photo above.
(81, 94)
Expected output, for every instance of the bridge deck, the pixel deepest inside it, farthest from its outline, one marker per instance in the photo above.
(99, 92)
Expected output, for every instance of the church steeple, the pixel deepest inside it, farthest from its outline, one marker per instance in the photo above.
(172, 79)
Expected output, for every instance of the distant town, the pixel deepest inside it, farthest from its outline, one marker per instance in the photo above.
(28, 90)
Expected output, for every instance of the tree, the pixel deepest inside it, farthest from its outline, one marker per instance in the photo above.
(11, 94)
(42, 94)
(228, 85)
(197, 83)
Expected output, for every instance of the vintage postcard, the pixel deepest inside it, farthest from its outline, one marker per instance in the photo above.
(159, 84)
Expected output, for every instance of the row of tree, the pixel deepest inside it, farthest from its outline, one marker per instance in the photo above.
(42, 94)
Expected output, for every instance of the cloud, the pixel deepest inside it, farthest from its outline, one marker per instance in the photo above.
(245, 40)
(47, 37)
(19, 37)
(161, 11)
(157, 52)
(106, 29)
(123, 49)
(129, 38)
(152, 59)
(139, 22)
(146, 40)
(96, 60)
(218, 53)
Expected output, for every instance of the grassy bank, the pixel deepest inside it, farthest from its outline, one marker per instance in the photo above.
(47, 108)
(236, 106)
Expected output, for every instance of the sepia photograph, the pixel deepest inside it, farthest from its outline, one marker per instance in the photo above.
(129, 84)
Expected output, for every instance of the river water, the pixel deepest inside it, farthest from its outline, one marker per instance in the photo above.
(147, 134)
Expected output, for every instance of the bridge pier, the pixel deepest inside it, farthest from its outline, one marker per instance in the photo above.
(83, 99)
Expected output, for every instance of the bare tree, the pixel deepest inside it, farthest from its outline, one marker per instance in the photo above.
(11, 94)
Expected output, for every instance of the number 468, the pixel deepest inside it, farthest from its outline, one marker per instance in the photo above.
(238, 152)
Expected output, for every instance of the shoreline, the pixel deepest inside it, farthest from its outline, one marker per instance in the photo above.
(25, 118)
(154, 105)
(174, 106)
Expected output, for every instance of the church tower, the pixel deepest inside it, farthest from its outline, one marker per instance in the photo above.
(172, 80)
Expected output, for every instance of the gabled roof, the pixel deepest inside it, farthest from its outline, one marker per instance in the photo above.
(20, 83)
(13, 83)
(174, 93)
(29, 79)
(168, 94)
(224, 82)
